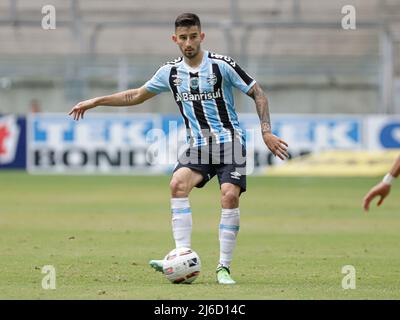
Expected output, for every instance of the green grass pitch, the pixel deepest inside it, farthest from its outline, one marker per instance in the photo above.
(100, 231)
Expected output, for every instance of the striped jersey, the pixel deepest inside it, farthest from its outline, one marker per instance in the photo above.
(204, 96)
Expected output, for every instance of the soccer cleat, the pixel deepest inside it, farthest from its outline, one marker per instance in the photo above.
(224, 275)
(156, 265)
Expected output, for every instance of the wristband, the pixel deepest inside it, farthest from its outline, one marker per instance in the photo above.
(388, 179)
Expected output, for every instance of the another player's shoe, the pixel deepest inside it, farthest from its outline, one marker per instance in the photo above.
(224, 275)
(156, 265)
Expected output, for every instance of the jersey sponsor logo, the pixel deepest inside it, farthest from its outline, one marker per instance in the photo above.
(212, 79)
(187, 96)
(222, 57)
(9, 135)
(177, 81)
(235, 175)
(194, 83)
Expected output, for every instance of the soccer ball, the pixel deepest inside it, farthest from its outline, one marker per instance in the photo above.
(181, 265)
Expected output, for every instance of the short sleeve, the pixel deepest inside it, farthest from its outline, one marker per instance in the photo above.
(238, 77)
(159, 82)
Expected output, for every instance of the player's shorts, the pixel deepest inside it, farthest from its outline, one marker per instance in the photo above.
(226, 160)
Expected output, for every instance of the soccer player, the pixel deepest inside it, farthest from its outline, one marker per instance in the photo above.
(382, 189)
(201, 83)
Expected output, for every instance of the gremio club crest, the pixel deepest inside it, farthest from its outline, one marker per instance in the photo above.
(194, 83)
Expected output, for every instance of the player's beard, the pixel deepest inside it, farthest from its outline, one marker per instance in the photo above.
(192, 53)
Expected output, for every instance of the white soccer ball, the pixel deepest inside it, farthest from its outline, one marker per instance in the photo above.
(181, 265)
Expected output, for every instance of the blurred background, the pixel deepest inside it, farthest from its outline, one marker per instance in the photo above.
(334, 96)
(309, 65)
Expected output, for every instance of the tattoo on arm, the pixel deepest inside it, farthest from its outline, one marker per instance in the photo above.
(262, 107)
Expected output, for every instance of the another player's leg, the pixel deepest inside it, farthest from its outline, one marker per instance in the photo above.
(228, 230)
(182, 183)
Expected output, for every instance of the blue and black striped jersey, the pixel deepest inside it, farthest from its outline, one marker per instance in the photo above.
(204, 95)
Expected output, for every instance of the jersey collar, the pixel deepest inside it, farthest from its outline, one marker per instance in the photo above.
(198, 68)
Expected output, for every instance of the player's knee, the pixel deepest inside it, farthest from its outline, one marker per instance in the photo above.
(230, 199)
(178, 187)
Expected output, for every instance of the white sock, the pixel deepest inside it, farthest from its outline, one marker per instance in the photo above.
(228, 230)
(181, 222)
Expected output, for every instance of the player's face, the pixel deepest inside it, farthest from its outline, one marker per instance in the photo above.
(188, 39)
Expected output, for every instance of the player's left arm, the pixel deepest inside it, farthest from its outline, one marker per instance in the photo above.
(275, 144)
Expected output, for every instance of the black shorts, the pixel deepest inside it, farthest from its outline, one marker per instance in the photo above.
(226, 160)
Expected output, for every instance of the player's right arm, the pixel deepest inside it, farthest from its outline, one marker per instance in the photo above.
(382, 189)
(276, 145)
(241, 80)
(121, 99)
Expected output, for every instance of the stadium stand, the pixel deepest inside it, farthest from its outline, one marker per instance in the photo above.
(295, 48)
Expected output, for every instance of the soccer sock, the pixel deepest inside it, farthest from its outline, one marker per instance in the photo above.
(228, 230)
(181, 222)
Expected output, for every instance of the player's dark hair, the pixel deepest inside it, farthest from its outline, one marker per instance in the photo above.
(187, 20)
